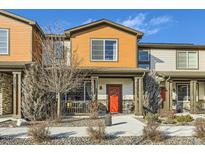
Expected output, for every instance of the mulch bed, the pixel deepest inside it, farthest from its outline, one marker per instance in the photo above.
(67, 122)
(76, 122)
(132, 140)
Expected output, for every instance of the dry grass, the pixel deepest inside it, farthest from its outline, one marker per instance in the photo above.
(200, 128)
(167, 114)
(39, 132)
(97, 133)
(152, 133)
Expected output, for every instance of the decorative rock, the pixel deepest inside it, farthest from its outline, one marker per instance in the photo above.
(21, 122)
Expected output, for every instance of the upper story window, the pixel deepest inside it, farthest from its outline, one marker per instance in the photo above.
(104, 50)
(59, 49)
(187, 60)
(144, 59)
(4, 41)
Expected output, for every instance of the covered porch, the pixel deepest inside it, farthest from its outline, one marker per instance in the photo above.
(10, 89)
(184, 92)
(116, 90)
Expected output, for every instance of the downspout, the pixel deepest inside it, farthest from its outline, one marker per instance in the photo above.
(167, 79)
(143, 74)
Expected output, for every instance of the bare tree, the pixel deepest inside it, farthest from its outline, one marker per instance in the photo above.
(56, 71)
(61, 67)
(152, 99)
(35, 100)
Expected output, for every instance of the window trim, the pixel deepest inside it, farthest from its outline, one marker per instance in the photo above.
(144, 62)
(187, 51)
(8, 42)
(104, 60)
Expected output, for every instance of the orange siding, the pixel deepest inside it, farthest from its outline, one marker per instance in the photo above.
(20, 36)
(127, 43)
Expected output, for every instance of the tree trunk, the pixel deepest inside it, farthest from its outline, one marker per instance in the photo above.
(58, 97)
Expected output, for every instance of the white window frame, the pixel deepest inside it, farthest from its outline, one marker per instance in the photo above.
(7, 52)
(187, 56)
(104, 50)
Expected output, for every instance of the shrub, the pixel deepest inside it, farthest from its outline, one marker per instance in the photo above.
(169, 117)
(98, 133)
(154, 117)
(200, 128)
(152, 133)
(39, 132)
(199, 106)
(184, 118)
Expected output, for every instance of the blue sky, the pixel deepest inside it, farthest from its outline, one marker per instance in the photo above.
(159, 26)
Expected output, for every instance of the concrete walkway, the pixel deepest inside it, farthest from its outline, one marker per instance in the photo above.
(123, 125)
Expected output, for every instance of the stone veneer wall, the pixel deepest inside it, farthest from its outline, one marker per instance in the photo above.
(6, 93)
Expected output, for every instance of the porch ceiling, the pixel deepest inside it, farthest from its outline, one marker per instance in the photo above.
(183, 74)
(12, 66)
(115, 71)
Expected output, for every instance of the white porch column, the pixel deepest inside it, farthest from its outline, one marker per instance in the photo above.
(138, 94)
(17, 94)
(168, 96)
(193, 93)
(14, 93)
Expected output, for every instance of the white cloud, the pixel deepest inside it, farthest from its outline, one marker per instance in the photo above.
(136, 21)
(144, 23)
(160, 20)
(88, 21)
(152, 31)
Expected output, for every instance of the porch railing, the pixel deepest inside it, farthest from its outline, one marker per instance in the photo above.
(82, 107)
(75, 107)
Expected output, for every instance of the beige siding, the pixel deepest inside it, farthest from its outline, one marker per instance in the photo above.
(20, 36)
(127, 87)
(165, 60)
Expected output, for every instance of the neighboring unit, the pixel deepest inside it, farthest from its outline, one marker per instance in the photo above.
(17, 41)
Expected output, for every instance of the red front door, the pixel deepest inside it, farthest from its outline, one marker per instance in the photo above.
(114, 98)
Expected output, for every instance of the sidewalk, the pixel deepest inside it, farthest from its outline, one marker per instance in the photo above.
(125, 125)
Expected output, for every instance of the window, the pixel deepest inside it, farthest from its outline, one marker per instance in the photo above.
(144, 59)
(144, 66)
(4, 44)
(143, 55)
(187, 60)
(104, 50)
(81, 94)
(58, 48)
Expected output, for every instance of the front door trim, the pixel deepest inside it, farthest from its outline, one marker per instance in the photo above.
(120, 100)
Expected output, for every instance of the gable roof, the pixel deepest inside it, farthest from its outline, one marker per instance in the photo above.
(104, 21)
(171, 46)
(22, 19)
